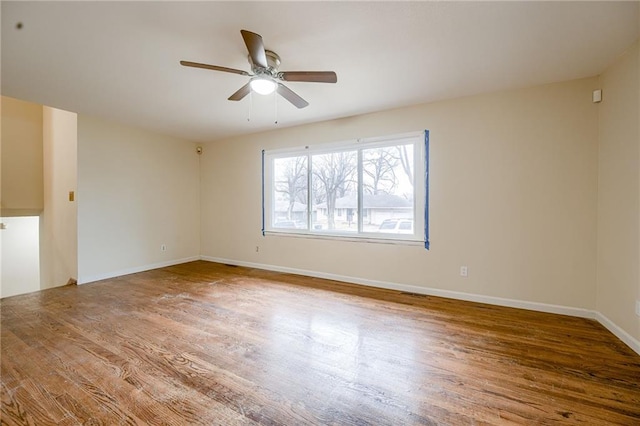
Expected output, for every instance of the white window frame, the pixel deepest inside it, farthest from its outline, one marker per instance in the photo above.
(417, 139)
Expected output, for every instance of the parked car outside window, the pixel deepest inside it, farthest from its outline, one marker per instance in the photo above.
(396, 226)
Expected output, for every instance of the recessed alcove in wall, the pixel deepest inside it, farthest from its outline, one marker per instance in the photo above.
(38, 170)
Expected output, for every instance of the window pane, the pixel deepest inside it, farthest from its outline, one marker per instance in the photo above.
(388, 177)
(290, 193)
(356, 189)
(335, 193)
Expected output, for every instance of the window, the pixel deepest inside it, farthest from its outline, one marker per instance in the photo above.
(372, 189)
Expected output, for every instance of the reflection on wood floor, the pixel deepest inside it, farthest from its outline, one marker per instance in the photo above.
(204, 343)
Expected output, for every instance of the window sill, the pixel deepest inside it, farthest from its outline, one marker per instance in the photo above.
(349, 238)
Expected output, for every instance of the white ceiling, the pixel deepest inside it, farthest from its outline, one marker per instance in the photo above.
(119, 60)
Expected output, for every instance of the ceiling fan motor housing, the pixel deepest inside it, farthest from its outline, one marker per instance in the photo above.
(273, 62)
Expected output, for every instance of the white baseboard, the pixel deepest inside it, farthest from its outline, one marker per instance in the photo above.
(512, 303)
(133, 270)
(619, 332)
(491, 300)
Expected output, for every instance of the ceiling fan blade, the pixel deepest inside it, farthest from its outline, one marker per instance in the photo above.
(213, 67)
(240, 93)
(310, 76)
(291, 96)
(255, 48)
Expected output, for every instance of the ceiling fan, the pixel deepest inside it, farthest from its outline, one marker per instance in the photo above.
(265, 76)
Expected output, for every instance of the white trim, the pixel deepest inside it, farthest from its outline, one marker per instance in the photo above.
(628, 339)
(355, 238)
(511, 303)
(133, 270)
(344, 145)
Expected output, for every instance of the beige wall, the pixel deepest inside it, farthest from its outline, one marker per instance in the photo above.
(619, 193)
(22, 175)
(136, 191)
(59, 230)
(513, 196)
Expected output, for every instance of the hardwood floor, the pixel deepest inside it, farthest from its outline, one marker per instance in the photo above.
(204, 343)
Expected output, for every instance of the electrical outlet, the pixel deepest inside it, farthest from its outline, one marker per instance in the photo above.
(163, 247)
(464, 271)
(638, 308)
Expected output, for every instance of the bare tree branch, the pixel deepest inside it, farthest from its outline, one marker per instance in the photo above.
(335, 174)
(406, 161)
(293, 181)
(379, 170)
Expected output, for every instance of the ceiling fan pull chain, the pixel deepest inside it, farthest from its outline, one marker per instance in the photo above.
(250, 105)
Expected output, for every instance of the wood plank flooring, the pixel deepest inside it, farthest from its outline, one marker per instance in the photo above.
(204, 343)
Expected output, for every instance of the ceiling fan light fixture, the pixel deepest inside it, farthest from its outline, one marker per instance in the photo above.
(263, 85)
